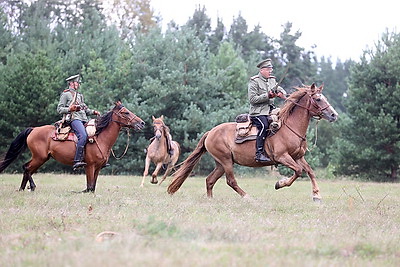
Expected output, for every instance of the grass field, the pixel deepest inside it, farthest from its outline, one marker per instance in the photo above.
(357, 224)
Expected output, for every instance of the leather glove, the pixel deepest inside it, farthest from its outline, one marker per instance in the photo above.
(96, 113)
(271, 95)
(74, 108)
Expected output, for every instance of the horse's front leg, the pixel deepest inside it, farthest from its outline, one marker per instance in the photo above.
(146, 170)
(288, 161)
(90, 179)
(155, 173)
(315, 189)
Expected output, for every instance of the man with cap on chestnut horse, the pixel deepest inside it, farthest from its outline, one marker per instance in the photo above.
(262, 89)
(72, 106)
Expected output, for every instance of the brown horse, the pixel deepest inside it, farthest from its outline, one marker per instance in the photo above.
(42, 146)
(286, 147)
(157, 151)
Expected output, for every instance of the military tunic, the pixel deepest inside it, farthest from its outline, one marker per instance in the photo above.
(65, 101)
(259, 88)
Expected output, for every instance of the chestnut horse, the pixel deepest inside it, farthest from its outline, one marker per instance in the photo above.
(157, 151)
(286, 147)
(42, 146)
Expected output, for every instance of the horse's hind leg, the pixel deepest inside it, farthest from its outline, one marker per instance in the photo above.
(167, 171)
(28, 177)
(213, 177)
(231, 181)
(25, 178)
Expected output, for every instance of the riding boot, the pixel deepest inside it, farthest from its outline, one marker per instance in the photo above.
(260, 155)
(78, 160)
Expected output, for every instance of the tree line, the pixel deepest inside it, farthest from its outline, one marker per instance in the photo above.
(193, 74)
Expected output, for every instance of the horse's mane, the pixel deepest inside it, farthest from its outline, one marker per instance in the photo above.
(289, 105)
(105, 120)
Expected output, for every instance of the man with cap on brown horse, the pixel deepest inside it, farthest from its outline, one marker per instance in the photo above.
(262, 89)
(72, 106)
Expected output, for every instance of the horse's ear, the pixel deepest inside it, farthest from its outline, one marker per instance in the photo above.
(321, 88)
(153, 118)
(312, 88)
(162, 117)
(118, 102)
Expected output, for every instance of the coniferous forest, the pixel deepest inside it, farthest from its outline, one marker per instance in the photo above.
(195, 75)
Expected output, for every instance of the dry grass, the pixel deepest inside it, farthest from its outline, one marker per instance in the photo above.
(357, 224)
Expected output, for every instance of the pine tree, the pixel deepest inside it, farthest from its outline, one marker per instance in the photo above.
(370, 141)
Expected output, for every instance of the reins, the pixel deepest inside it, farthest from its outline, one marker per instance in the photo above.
(319, 112)
(126, 148)
(122, 125)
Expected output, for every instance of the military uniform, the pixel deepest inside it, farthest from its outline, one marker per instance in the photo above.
(259, 89)
(261, 93)
(76, 113)
(65, 101)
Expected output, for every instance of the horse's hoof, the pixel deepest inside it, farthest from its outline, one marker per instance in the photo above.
(88, 191)
(154, 182)
(277, 186)
(317, 200)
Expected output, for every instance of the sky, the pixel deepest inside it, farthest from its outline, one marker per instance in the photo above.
(339, 29)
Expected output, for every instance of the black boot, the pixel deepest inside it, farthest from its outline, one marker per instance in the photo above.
(78, 160)
(260, 155)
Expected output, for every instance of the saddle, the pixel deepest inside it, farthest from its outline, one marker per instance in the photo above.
(246, 131)
(62, 131)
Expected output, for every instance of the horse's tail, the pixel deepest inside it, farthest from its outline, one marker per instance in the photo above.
(17, 147)
(187, 166)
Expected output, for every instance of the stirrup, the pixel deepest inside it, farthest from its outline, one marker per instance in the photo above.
(78, 165)
(260, 157)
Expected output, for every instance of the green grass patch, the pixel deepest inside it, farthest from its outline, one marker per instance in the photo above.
(357, 223)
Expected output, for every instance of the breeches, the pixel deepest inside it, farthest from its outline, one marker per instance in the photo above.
(261, 122)
(80, 131)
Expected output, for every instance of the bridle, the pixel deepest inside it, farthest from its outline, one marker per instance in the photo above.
(312, 104)
(120, 115)
(161, 129)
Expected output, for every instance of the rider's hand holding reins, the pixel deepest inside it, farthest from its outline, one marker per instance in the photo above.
(74, 108)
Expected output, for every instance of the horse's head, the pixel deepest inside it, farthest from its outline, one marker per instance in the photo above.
(125, 118)
(319, 105)
(158, 125)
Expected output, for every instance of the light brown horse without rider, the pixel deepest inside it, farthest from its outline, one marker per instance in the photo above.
(159, 151)
(42, 146)
(286, 147)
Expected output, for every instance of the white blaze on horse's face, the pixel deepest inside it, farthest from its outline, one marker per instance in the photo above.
(327, 111)
(157, 130)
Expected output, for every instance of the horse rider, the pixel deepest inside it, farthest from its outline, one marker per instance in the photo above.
(72, 106)
(262, 89)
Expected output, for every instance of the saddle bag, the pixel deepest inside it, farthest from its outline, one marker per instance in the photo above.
(62, 131)
(243, 124)
(91, 130)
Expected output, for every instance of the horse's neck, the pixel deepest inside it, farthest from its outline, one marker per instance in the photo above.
(299, 119)
(108, 136)
(160, 143)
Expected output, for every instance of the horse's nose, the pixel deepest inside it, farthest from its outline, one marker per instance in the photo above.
(142, 123)
(333, 117)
